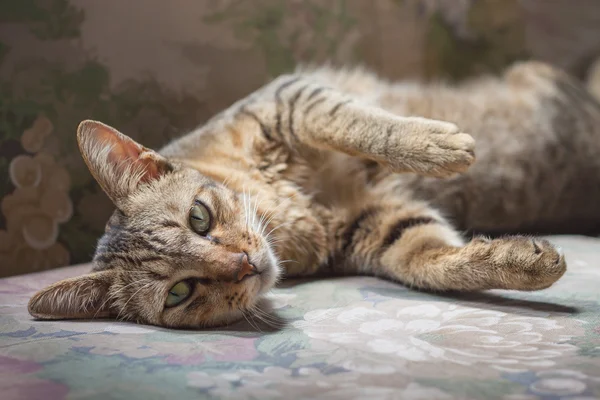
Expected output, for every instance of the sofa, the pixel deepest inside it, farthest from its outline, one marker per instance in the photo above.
(346, 338)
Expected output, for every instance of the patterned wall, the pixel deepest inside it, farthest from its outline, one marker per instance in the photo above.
(154, 69)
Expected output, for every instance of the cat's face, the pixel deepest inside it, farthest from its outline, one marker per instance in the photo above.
(180, 250)
(189, 253)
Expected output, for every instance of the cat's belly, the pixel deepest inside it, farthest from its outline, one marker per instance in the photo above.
(518, 192)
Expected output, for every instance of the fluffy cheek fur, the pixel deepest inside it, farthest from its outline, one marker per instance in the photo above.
(210, 305)
(217, 312)
(140, 298)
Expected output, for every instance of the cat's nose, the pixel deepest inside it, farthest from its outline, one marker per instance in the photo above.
(246, 269)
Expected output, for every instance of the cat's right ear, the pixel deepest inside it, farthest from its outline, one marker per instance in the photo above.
(83, 297)
(117, 162)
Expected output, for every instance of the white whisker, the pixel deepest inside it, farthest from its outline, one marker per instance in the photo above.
(111, 297)
(257, 202)
(250, 323)
(132, 296)
(268, 319)
(277, 227)
(272, 211)
(287, 261)
(224, 183)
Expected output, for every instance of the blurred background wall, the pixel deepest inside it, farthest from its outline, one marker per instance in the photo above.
(156, 68)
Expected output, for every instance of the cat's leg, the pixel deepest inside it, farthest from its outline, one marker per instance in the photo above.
(411, 243)
(300, 113)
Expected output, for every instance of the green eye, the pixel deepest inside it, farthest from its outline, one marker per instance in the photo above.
(200, 218)
(178, 293)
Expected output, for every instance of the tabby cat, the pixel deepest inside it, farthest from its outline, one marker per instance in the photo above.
(329, 172)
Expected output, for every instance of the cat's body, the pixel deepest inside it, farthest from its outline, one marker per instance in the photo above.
(333, 172)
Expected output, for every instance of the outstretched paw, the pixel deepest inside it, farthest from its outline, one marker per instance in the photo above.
(524, 263)
(438, 148)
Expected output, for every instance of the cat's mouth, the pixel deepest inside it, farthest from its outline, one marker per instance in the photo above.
(249, 275)
(267, 273)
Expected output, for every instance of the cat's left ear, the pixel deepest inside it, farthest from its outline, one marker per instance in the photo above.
(83, 297)
(116, 161)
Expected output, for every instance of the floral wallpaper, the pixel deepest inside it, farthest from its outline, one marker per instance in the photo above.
(39, 204)
(159, 70)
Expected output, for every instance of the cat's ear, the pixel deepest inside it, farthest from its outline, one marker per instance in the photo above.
(83, 297)
(116, 161)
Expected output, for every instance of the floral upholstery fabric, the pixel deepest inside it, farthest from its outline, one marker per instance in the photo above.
(347, 338)
(155, 69)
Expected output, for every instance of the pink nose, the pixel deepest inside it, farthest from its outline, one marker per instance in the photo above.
(246, 269)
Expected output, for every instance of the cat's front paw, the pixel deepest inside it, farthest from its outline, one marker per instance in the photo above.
(524, 263)
(439, 149)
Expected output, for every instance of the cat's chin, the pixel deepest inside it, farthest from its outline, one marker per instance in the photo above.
(230, 318)
(269, 274)
(267, 280)
(261, 307)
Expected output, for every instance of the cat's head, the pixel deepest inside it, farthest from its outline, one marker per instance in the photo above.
(180, 250)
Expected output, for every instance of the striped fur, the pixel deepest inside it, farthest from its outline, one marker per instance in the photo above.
(335, 171)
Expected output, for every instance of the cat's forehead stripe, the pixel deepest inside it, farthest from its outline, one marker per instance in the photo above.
(215, 198)
(169, 223)
(129, 246)
(208, 185)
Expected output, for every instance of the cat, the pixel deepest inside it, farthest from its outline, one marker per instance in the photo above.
(330, 171)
